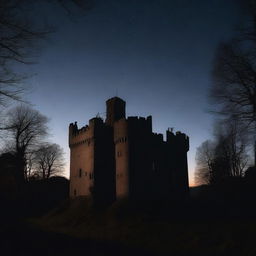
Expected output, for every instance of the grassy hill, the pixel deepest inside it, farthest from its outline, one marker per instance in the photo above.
(184, 228)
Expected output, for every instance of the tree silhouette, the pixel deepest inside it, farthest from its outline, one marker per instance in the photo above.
(26, 127)
(234, 85)
(49, 161)
(225, 156)
(204, 162)
(234, 76)
(18, 36)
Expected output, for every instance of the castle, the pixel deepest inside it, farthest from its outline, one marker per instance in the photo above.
(122, 158)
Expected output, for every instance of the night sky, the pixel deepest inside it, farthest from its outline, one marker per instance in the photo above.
(155, 54)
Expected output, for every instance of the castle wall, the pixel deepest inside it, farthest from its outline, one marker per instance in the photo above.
(178, 146)
(81, 162)
(92, 165)
(104, 164)
(122, 158)
(133, 157)
(160, 174)
(139, 134)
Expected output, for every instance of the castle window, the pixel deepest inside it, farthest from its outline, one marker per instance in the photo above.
(119, 153)
(80, 173)
(154, 166)
(91, 175)
(74, 192)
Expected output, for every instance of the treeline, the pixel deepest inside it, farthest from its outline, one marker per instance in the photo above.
(29, 163)
(232, 151)
(228, 154)
(25, 148)
(23, 129)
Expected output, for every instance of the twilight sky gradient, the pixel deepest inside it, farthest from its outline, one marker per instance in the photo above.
(155, 54)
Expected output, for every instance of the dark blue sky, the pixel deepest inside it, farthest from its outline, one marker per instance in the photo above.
(155, 54)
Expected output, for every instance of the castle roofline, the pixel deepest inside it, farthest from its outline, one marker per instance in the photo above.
(115, 99)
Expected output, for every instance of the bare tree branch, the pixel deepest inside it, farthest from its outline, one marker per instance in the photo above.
(26, 127)
(49, 161)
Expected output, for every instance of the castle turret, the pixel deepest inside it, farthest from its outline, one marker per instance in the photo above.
(178, 145)
(72, 130)
(115, 110)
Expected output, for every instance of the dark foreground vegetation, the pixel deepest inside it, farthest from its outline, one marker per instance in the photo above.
(215, 220)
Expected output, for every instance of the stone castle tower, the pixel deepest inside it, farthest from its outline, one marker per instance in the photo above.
(123, 158)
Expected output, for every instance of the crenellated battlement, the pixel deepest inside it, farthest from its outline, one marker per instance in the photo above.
(121, 157)
(74, 131)
(84, 135)
(179, 140)
(140, 118)
(158, 137)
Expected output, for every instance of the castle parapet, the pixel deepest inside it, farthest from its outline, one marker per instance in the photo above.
(140, 123)
(95, 121)
(158, 137)
(84, 135)
(73, 128)
(74, 131)
(179, 140)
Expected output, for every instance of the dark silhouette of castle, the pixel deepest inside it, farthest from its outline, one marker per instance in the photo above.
(122, 158)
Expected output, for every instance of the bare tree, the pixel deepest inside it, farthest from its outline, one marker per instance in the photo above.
(236, 143)
(26, 128)
(18, 36)
(234, 85)
(204, 163)
(49, 161)
(234, 75)
(225, 156)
